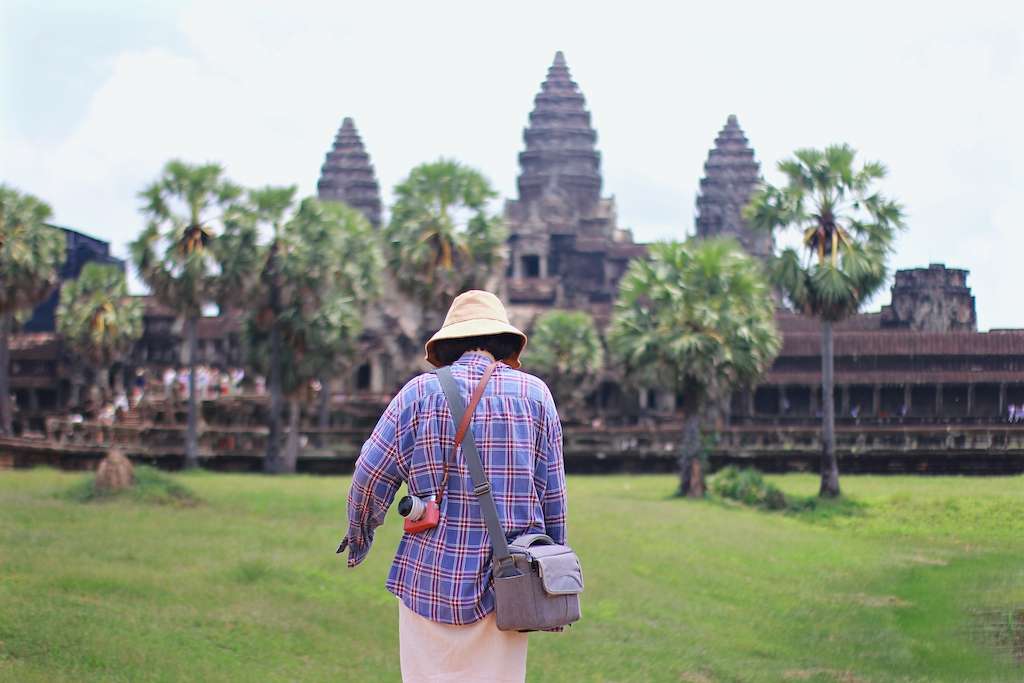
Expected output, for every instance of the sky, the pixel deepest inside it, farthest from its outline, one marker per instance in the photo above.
(96, 96)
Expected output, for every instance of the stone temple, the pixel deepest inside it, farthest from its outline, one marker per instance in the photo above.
(730, 177)
(566, 249)
(917, 385)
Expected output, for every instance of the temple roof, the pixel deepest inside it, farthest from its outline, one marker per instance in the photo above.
(560, 142)
(731, 175)
(348, 176)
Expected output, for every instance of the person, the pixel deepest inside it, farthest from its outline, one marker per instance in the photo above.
(168, 379)
(442, 576)
(1012, 413)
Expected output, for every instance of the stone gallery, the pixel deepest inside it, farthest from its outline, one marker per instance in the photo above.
(917, 386)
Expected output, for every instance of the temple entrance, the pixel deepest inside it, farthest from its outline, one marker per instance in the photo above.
(922, 400)
(986, 401)
(862, 400)
(954, 400)
(893, 401)
(766, 401)
(798, 401)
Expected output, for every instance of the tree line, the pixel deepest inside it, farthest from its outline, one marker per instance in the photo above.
(695, 317)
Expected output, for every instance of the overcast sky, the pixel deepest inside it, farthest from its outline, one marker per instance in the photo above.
(97, 95)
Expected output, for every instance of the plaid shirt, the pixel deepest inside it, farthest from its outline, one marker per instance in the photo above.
(444, 573)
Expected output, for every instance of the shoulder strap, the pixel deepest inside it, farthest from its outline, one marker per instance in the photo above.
(481, 485)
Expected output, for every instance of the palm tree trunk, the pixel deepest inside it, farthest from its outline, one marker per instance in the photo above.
(191, 434)
(691, 470)
(272, 459)
(291, 451)
(103, 382)
(324, 411)
(829, 466)
(5, 368)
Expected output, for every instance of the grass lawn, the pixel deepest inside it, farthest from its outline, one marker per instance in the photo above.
(245, 585)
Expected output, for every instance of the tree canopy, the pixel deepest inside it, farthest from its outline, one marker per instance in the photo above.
(441, 240)
(847, 229)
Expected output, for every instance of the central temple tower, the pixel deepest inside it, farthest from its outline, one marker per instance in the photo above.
(565, 249)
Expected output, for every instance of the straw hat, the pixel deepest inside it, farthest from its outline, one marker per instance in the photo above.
(474, 314)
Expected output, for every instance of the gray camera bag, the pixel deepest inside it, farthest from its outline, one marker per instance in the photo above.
(537, 582)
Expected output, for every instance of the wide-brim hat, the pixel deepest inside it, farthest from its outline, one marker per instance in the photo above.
(475, 313)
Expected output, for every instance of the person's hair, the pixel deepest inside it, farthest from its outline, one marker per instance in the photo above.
(502, 346)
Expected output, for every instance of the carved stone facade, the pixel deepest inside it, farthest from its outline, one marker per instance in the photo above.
(565, 247)
(731, 175)
(932, 299)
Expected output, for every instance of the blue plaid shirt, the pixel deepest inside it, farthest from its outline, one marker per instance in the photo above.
(444, 573)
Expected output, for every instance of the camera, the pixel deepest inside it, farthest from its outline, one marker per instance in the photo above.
(419, 514)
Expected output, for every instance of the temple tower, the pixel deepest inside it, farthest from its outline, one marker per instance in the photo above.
(565, 249)
(730, 178)
(932, 299)
(347, 174)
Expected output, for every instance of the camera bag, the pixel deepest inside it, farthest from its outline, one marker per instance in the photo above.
(537, 582)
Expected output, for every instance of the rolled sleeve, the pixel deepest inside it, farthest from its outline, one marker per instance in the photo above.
(374, 483)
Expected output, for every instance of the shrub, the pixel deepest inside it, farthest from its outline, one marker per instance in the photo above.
(746, 486)
(151, 486)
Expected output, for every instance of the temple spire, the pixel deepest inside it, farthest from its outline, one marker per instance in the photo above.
(348, 176)
(731, 175)
(560, 142)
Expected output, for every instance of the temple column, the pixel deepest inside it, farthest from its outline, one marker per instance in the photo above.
(876, 400)
(844, 400)
(750, 402)
(938, 400)
(907, 393)
(33, 400)
(543, 258)
(970, 400)
(376, 376)
(1002, 399)
(812, 402)
(783, 401)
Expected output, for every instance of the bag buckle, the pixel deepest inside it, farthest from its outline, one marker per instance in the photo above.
(481, 489)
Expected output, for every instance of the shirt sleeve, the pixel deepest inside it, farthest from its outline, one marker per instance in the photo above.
(374, 483)
(554, 501)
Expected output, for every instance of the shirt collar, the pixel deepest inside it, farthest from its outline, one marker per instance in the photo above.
(473, 358)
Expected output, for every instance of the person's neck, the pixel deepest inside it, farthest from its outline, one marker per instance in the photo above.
(486, 353)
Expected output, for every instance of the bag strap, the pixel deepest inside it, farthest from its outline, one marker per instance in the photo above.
(481, 485)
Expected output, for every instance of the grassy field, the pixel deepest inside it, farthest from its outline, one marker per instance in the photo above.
(245, 585)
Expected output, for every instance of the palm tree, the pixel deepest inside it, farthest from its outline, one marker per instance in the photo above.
(566, 350)
(848, 229)
(250, 267)
(696, 318)
(322, 272)
(441, 240)
(174, 254)
(98, 320)
(31, 254)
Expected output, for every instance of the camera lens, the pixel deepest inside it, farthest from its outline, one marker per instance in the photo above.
(411, 507)
(405, 506)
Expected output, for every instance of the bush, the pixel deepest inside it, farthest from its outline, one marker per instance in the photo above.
(151, 486)
(746, 486)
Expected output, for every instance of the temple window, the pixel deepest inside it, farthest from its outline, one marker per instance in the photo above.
(531, 265)
(363, 377)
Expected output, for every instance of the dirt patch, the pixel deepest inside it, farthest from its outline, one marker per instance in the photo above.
(694, 677)
(1002, 629)
(837, 676)
(879, 600)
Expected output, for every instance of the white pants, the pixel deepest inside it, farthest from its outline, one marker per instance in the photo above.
(474, 653)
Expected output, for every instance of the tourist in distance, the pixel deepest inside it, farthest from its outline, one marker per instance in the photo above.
(442, 574)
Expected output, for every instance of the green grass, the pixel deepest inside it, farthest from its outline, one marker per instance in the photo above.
(882, 586)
